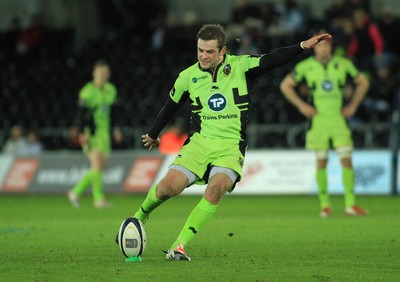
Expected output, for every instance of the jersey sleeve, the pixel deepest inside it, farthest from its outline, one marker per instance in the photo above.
(298, 72)
(114, 92)
(180, 88)
(251, 62)
(85, 97)
(351, 70)
(84, 111)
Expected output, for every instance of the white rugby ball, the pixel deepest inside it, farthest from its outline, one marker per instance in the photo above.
(131, 237)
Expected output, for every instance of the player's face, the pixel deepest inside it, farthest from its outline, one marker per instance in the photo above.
(101, 74)
(208, 53)
(323, 49)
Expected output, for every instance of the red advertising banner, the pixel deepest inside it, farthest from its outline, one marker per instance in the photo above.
(142, 174)
(20, 175)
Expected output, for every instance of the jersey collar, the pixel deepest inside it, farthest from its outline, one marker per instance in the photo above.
(216, 68)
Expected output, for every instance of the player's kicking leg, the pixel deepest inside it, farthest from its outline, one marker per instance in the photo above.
(221, 180)
(177, 254)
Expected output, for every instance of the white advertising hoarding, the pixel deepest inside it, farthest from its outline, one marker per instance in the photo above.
(268, 172)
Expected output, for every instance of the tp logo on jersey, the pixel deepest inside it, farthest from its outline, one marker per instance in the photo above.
(217, 102)
(327, 85)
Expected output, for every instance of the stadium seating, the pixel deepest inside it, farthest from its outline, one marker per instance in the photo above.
(42, 94)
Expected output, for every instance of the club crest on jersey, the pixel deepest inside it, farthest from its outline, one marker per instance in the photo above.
(217, 102)
(104, 108)
(227, 69)
(327, 85)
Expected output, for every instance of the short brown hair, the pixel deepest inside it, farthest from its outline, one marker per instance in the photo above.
(213, 32)
(100, 63)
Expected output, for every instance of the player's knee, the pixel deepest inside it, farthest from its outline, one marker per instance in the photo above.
(344, 154)
(322, 154)
(213, 196)
(322, 159)
(346, 162)
(167, 189)
(216, 191)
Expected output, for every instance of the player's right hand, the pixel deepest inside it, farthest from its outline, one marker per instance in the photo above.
(149, 142)
(83, 140)
(307, 110)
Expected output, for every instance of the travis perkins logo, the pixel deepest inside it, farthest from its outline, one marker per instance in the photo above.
(227, 116)
(217, 102)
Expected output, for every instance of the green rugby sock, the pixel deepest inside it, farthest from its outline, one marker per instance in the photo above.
(200, 215)
(348, 183)
(149, 204)
(322, 183)
(83, 184)
(97, 185)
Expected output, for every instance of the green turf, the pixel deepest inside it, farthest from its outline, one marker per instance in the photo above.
(271, 238)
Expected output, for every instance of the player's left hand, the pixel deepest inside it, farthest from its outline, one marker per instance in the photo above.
(83, 139)
(149, 142)
(348, 111)
(310, 43)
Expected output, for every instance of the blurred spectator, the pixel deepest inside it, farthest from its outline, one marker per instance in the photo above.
(175, 34)
(378, 102)
(247, 46)
(337, 12)
(31, 39)
(366, 45)
(16, 141)
(173, 139)
(267, 13)
(389, 25)
(165, 28)
(242, 10)
(358, 4)
(291, 18)
(11, 37)
(189, 30)
(33, 146)
(338, 17)
(246, 26)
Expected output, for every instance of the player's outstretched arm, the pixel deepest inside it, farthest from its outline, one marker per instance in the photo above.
(284, 55)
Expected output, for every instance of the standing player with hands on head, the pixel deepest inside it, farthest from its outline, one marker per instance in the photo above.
(94, 121)
(326, 75)
(218, 88)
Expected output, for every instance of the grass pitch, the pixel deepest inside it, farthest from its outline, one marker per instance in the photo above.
(264, 238)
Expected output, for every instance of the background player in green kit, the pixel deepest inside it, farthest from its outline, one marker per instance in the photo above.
(218, 87)
(94, 114)
(325, 75)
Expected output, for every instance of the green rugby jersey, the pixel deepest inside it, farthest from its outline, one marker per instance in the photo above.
(99, 102)
(220, 101)
(326, 83)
